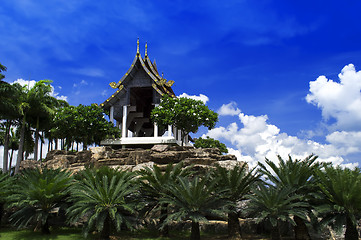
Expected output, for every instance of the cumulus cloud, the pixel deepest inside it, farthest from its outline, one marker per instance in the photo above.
(339, 100)
(31, 83)
(255, 139)
(229, 109)
(201, 97)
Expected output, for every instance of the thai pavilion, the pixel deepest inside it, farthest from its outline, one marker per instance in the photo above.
(137, 93)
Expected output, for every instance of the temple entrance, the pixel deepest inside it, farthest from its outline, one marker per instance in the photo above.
(141, 99)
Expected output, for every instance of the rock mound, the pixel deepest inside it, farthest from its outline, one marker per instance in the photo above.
(133, 159)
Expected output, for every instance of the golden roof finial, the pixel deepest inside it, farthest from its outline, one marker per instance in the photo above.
(138, 46)
(146, 49)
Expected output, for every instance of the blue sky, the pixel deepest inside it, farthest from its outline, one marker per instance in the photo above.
(257, 59)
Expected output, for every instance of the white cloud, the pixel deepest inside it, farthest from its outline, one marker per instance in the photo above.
(22, 82)
(349, 142)
(201, 97)
(256, 140)
(90, 72)
(81, 83)
(339, 100)
(31, 84)
(230, 109)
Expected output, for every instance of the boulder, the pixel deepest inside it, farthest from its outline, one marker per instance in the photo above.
(160, 148)
(134, 159)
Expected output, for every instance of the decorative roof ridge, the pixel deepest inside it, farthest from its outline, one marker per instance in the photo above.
(161, 85)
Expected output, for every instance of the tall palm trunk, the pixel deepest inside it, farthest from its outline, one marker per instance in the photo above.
(36, 144)
(301, 231)
(11, 159)
(21, 146)
(195, 233)
(6, 146)
(233, 226)
(351, 230)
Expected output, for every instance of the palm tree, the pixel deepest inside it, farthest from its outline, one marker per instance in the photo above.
(107, 197)
(153, 184)
(35, 103)
(42, 106)
(237, 182)
(2, 69)
(276, 205)
(298, 175)
(9, 111)
(38, 193)
(194, 199)
(342, 196)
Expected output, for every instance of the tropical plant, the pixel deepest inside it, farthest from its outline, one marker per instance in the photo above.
(342, 198)
(85, 124)
(42, 106)
(276, 205)
(37, 195)
(194, 199)
(153, 184)
(5, 186)
(236, 184)
(107, 198)
(9, 111)
(185, 114)
(210, 143)
(298, 175)
(2, 69)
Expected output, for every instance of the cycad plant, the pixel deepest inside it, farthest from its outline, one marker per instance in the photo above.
(236, 184)
(5, 185)
(153, 184)
(276, 205)
(298, 175)
(342, 198)
(37, 195)
(106, 198)
(194, 199)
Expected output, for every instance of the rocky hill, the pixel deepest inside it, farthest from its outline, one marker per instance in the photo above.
(133, 159)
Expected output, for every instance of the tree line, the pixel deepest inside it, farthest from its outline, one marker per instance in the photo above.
(306, 194)
(31, 114)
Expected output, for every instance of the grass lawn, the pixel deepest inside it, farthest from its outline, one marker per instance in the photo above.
(57, 234)
(75, 234)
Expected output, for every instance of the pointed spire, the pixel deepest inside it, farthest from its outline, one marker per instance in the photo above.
(138, 46)
(146, 49)
(155, 66)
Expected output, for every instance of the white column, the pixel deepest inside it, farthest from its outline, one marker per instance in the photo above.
(169, 130)
(175, 132)
(179, 135)
(155, 125)
(124, 122)
(155, 130)
(111, 117)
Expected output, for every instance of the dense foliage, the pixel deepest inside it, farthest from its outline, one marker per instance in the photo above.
(185, 114)
(210, 143)
(82, 124)
(38, 196)
(107, 200)
(107, 197)
(37, 115)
